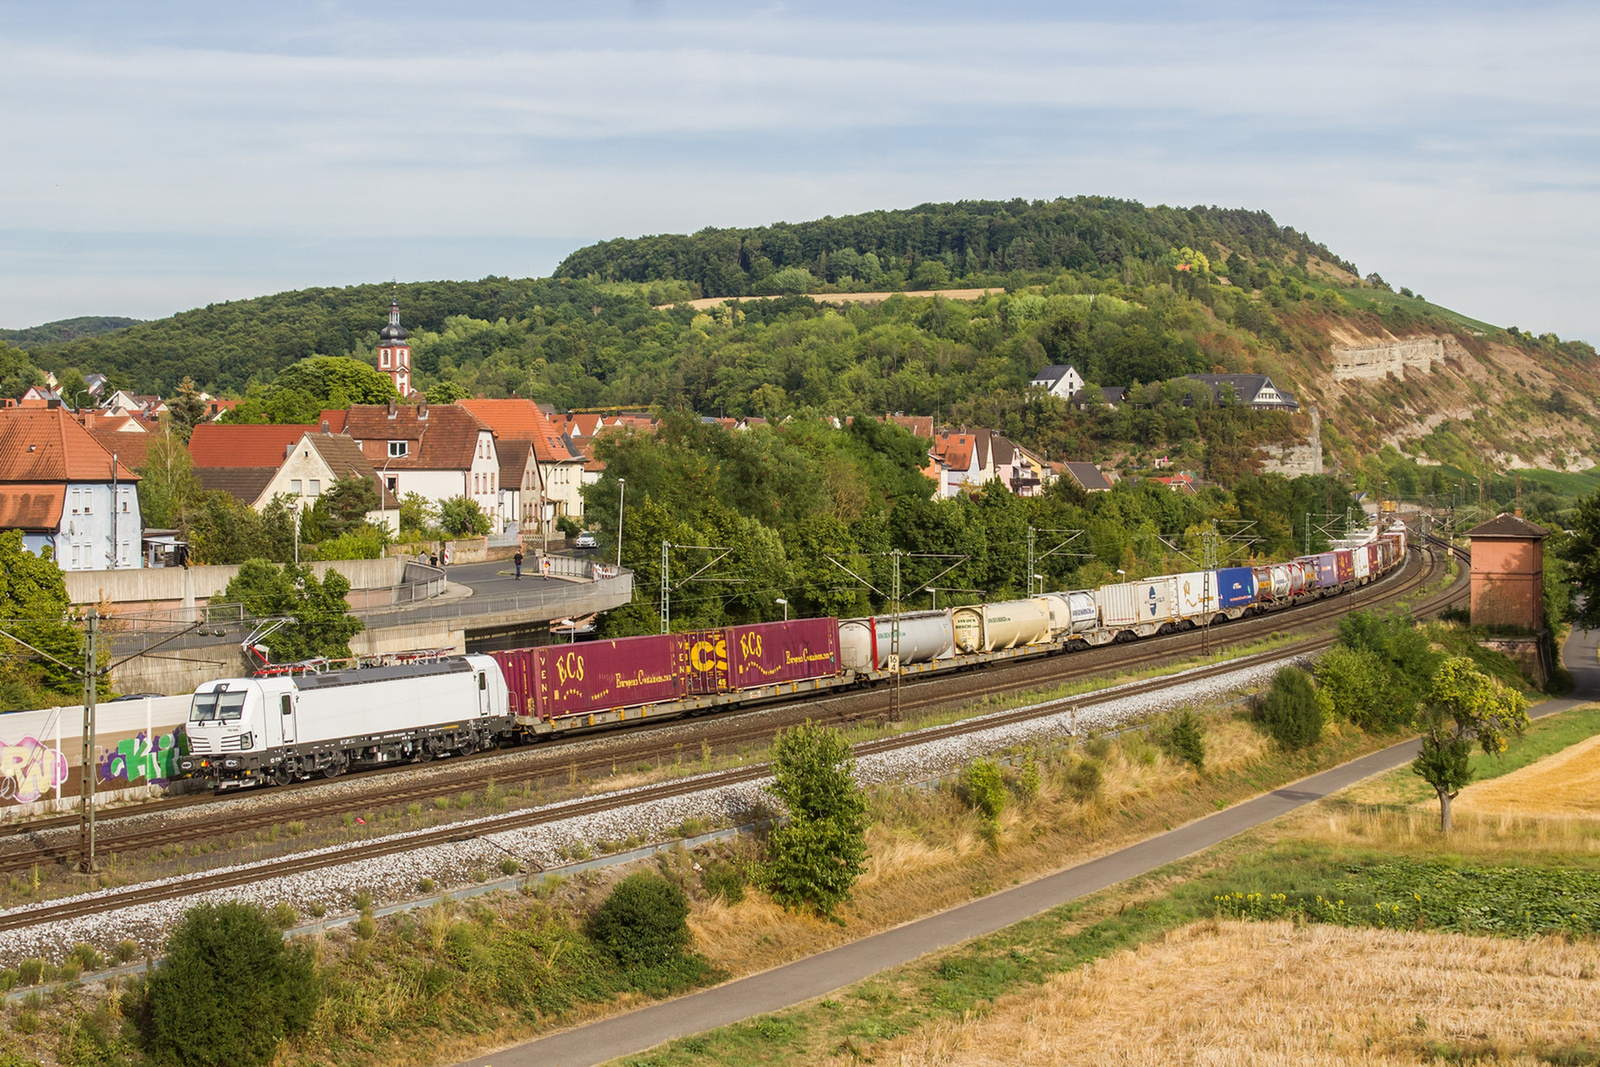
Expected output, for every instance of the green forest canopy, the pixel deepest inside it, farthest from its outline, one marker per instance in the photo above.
(1128, 293)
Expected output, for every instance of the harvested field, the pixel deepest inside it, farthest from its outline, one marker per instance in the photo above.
(1567, 783)
(1278, 994)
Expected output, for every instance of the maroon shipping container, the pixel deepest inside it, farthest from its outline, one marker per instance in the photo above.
(601, 675)
(1344, 565)
(704, 661)
(773, 652)
(521, 669)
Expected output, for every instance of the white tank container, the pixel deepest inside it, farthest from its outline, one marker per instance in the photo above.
(1060, 612)
(1085, 611)
(1197, 594)
(1280, 581)
(864, 644)
(1008, 624)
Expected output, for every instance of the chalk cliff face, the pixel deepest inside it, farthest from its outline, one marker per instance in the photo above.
(1444, 396)
(1359, 357)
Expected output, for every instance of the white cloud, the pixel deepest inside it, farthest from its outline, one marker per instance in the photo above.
(1443, 145)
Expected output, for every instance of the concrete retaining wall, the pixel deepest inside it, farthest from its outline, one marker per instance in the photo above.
(172, 587)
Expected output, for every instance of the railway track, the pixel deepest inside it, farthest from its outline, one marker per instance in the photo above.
(112, 900)
(394, 788)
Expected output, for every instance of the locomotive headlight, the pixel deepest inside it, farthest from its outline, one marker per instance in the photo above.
(246, 740)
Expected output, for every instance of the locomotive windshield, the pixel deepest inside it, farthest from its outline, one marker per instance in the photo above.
(217, 707)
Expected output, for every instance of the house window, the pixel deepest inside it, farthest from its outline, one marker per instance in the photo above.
(394, 482)
(294, 486)
(316, 487)
(88, 498)
(399, 448)
(492, 480)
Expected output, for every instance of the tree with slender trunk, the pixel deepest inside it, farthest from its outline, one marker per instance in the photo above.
(1464, 708)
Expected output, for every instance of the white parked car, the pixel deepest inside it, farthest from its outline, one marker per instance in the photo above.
(586, 540)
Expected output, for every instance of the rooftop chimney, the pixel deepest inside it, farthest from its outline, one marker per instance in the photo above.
(325, 427)
(422, 408)
(393, 409)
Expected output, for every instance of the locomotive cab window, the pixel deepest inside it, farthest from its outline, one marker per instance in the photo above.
(288, 704)
(483, 680)
(217, 707)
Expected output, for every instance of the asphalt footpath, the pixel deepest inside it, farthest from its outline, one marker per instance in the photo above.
(815, 976)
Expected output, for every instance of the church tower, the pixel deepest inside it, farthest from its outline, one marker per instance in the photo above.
(394, 354)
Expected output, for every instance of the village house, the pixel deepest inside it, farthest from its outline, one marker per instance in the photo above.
(65, 493)
(259, 464)
(439, 452)
(541, 472)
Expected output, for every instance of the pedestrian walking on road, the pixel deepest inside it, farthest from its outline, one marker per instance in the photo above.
(517, 559)
(433, 559)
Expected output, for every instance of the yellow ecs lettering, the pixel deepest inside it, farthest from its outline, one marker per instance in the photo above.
(569, 668)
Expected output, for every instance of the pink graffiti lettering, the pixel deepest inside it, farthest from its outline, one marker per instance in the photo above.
(28, 770)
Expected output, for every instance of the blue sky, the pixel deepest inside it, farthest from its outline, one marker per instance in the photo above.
(159, 157)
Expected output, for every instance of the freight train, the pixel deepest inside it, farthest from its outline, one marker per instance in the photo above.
(284, 726)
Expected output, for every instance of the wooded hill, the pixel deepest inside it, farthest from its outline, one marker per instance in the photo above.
(1130, 294)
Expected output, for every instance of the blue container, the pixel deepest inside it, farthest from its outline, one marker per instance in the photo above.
(1236, 586)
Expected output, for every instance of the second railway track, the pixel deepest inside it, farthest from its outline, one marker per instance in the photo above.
(117, 899)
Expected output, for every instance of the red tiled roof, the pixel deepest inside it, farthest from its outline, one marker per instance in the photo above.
(129, 448)
(215, 444)
(32, 507)
(920, 425)
(446, 439)
(519, 419)
(49, 446)
(334, 417)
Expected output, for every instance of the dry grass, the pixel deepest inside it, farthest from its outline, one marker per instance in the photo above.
(927, 851)
(1567, 783)
(1414, 831)
(1277, 994)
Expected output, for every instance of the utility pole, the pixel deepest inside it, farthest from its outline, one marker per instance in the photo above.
(1209, 551)
(666, 591)
(1030, 561)
(91, 678)
(894, 646)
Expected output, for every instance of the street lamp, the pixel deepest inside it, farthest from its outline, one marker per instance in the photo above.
(785, 604)
(622, 489)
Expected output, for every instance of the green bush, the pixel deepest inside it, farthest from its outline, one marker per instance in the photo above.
(643, 923)
(986, 789)
(723, 879)
(568, 526)
(1289, 710)
(1185, 739)
(815, 857)
(228, 991)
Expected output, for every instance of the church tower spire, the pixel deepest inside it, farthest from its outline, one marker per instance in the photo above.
(394, 351)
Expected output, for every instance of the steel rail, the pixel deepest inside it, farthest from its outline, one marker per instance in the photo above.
(114, 900)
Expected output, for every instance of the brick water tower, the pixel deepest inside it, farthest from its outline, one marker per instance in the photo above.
(1508, 573)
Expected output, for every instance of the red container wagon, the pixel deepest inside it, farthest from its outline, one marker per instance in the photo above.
(773, 652)
(596, 676)
(1344, 566)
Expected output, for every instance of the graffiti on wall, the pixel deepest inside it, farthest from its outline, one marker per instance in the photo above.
(136, 758)
(29, 769)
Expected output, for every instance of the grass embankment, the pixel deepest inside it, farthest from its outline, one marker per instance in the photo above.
(1171, 977)
(436, 987)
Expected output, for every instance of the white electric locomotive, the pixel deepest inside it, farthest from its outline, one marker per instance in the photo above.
(281, 727)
